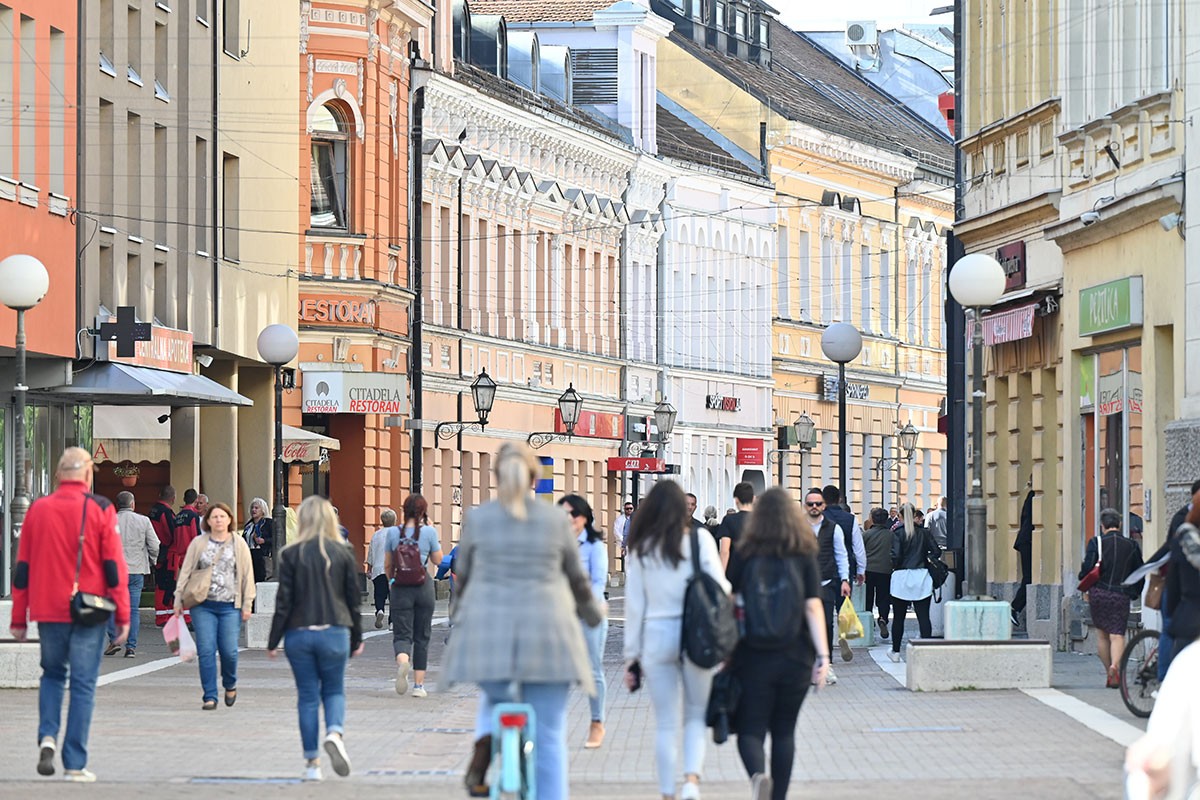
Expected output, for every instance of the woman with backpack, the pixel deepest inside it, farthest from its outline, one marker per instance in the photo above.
(521, 594)
(594, 556)
(410, 549)
(785, 644)
(912, 548)
(659, 567)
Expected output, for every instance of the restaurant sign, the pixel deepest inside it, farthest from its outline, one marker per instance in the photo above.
(594, 425)
(354, 393)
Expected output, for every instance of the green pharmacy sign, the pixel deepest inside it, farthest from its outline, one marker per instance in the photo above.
(1112, 306)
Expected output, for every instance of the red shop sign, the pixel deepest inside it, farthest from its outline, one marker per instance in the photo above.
(751, 452)
(621, 464)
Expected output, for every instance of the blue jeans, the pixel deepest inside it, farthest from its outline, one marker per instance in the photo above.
(78, 648)
(135, 599)
(217, 627)
(596, 638)
(318, 660)
(1166, 642)
(549, 701)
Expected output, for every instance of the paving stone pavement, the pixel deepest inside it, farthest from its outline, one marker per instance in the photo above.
(866, 736)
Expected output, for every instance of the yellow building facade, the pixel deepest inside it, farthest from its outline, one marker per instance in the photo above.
(861, 223)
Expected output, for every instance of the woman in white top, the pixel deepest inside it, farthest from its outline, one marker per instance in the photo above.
(1165, 763)
(658, 569)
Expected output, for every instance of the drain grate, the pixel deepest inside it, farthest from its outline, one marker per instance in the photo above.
(920, 729)
(243, 781)
(412, 773)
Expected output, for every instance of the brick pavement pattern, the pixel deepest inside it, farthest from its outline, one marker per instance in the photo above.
(864, 737)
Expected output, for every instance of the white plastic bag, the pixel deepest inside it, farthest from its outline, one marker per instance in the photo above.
(179, 638)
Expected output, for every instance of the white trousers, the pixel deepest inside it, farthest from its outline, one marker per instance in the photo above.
(667, 672)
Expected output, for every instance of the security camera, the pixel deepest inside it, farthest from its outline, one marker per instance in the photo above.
(1089, 217)
(1170, 221)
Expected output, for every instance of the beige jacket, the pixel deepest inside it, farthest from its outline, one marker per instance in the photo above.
(243, 568)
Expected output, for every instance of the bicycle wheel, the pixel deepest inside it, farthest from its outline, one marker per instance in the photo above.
(1139, 673)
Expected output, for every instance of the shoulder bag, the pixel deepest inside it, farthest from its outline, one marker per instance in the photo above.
(199, 583)
(88, 609)
(938, 569)
(1093, 576)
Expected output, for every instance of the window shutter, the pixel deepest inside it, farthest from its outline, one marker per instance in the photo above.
(594, 76)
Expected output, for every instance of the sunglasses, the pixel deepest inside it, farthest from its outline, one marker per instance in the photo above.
(817, 504)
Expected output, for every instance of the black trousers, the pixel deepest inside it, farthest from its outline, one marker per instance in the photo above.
(879, 593)
(258, 561)
(900, 610)
(412, 621)
(381, 591)
(773, 689)
(1018, 603)
(831, 596)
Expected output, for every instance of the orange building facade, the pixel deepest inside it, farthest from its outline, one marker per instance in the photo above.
(354, 305)
(38, 46)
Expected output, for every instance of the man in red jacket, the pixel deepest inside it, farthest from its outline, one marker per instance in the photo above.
(162, 517)
(52, 564)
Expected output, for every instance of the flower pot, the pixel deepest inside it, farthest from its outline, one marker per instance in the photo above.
(129, 481)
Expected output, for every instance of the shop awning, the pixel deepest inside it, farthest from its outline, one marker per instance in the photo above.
(108, 383)
(121, 433)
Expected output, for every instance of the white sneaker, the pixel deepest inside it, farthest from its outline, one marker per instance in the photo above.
(418, 690)
(402, 671)
(379, 619)
(760, 787)
(335, 748)
(689, 791)
(312, 772)
(830, 677)
(893, 656)
(46, 750)
(79, 776)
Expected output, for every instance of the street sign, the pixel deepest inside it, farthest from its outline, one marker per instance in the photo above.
(621, 464)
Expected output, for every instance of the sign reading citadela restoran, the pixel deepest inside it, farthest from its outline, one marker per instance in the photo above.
(354, 393)
(1112, 306)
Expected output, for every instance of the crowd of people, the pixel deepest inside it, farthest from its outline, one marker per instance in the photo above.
(530, 610)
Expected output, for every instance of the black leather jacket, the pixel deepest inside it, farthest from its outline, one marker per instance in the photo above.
(311, 594)
(910, 553)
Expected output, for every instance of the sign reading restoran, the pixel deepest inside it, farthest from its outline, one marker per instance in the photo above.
(354, 393)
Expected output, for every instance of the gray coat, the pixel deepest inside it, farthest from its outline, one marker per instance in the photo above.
(521, 593)
(138, 540)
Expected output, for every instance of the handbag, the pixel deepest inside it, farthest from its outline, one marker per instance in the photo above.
(88, 609)
(1093, 575)
(1154, 590)
(195, 591)
(939, 571)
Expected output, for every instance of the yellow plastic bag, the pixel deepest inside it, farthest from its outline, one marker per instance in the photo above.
(849, 626)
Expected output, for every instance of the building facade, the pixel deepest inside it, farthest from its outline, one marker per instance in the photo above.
(354, 305)
(859, 225)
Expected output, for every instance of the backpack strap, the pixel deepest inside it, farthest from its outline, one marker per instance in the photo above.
(695, 551)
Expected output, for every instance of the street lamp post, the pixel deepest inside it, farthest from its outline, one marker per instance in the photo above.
(908, 444)
(570, 404)
(977, 281)
(278, 345)
(664, 420)
(23, 283)
(841, 343)
(806, 438)
(483, 395)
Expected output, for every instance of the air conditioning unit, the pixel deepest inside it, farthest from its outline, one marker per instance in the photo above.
(862, 33)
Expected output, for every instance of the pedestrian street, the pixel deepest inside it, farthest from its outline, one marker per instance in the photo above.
(867, 736)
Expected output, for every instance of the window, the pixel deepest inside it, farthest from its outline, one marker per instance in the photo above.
(803, 265)
(885, 292)
(7, 142)
(720, 15)
(133, 175)
(58, 111)
(594, 75)
(330, 167)
(783, 279)
(230, 207)
(910, 299)
(200, 171)
(846, 309)
(133, 45)
(826, 280)
(28, 111)
(160, 185)
(865, 323)
(740, 25)
(160, 62)
(926, 302)
(107, 45)
(230, 23)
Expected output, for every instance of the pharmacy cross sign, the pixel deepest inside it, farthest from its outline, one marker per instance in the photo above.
(125, 332)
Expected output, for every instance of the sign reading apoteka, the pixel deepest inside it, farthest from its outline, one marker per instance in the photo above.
(354, 393)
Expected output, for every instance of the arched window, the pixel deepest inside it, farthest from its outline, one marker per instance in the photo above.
(330, 169)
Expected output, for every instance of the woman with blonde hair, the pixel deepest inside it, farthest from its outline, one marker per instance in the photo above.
(521, 591)
(912, 546)
(216, 581)
(316, 610)
(259, 534)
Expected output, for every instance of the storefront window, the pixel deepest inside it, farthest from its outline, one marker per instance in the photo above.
(1110, 408)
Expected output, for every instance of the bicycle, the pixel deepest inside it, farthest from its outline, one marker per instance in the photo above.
(1139, 673)
(514, 725)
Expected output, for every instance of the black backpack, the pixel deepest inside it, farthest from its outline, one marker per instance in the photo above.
(709, 627)
(773, 602)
